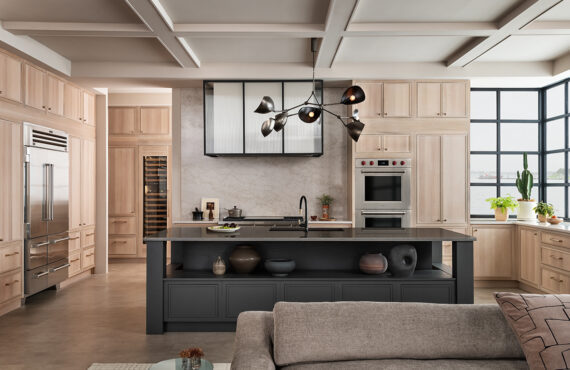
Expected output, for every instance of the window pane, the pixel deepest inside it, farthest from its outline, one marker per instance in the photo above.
(555, 101)
(555, 168)
(478, 196)
(519, 137)
(555, 195)
(512, 191)
(483, 168)
(519, 105)
(511, 163)
(483, 137)
(555, 134)
(483, 105)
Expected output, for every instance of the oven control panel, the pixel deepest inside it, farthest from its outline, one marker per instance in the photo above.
(384, 163)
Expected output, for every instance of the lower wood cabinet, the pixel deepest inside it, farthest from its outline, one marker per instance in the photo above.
(10, 285)
(81, 250)
(88, 258)
(493, 252)
(123, 245)
(74, 263)
(529, 249)
(555, 282)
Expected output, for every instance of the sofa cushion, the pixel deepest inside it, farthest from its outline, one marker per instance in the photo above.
(414, 365)
(542, 325)
(340, 331)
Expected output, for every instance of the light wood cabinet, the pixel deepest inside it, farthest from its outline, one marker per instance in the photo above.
(155, 120)
(442, 99)
(123, 245)
(397, 97)
(54, 95)
(88, 108)
(34, 88)
(88, 258)
(371, 107)
(529, 244)
(441, 179)
(139, 121)
(88, 174)
(75, 220)
(383, 143)
(369, 144)
(123, 120)
(10, 256)
(72, 102)
(493, 252)
(10, 78)
(11, 206)
(122, 181)
(555, 282)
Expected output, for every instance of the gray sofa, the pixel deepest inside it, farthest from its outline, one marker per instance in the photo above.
(371, 335)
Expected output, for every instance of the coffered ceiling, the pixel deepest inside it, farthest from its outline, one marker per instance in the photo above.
(171, 42)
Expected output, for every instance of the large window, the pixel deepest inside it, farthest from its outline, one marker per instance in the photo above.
(507, 122)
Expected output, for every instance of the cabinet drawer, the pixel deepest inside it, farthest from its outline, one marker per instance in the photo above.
(10, 257)
(556, 239)
(123, 245)
(10, 286)
(74, 242)
(555, 282)
(122, 225)
(555, 258)
(88, 258)
(88, 237)
(74, 264)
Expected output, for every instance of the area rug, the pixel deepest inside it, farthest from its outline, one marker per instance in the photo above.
(96, 366)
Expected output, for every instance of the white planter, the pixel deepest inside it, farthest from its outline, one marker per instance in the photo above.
(525, 211)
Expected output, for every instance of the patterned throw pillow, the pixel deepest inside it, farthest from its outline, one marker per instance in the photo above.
(542, 325)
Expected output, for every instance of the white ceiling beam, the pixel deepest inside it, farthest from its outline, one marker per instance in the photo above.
(257, 30)
(151, 17)
(78, 29)
(338, 18)
(561, 64)
(511, 23)
(421, 29)
(546, 28)
(163, 13)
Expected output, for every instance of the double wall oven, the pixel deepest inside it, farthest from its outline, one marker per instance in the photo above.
(383, 193)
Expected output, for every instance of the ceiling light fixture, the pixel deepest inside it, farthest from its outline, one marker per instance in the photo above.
(310, 111)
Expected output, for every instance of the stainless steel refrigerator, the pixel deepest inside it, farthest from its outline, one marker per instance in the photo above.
(46, 194)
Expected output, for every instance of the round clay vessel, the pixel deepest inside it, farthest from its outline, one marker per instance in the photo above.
(403, 259)
(244, 259)
(373, 263)
(279, 266)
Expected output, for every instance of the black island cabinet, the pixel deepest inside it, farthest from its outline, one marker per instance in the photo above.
(185, 295)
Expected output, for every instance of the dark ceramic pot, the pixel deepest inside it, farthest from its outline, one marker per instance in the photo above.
(279, 266)
(402, 260)
(244, 259)
(373, 263)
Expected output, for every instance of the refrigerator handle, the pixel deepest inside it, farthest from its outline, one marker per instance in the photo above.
(50, 192)
(47, 206)
(27, 205)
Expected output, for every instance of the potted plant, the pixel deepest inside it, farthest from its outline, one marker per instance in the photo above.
(524, 185)
(501, 205)
(326, 200)
(543, 210)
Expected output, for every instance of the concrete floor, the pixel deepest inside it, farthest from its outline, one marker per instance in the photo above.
(102, 319)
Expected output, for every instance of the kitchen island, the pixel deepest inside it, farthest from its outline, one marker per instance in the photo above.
(186, 296)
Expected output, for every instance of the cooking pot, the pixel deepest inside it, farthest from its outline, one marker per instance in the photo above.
(234, 212)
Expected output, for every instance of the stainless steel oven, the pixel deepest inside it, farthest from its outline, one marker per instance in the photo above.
(384, 219)
(383, 184)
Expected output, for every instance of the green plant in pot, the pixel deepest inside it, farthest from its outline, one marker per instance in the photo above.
(326, 201)
(524, 185)
(502, 205)
(543, 210)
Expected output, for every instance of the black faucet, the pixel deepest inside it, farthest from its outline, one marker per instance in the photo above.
(306, 223)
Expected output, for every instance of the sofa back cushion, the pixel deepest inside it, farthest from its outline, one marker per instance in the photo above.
(308, 332)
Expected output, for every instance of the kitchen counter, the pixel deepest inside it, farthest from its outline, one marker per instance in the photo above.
(191, 222)
(562, 227)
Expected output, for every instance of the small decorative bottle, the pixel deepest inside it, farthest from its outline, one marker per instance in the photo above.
(219, 266)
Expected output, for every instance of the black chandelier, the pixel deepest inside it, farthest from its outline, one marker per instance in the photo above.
(311, 111)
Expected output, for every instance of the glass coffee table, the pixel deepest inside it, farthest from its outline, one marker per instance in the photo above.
(176, 364)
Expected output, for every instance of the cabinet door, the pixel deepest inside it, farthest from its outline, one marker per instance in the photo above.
(10, 78)
(11, 206)
(122, 181)
(369, 144)
(454, 178)
(396, 143)
(54, 95)
(428, 190)
(397, 99)
(371, 107)
(529, 248)
(88, 108)
(493, 252)
(34, 92)
(429, 99)
(88, 182)
(75, 182)
(454, 99)
(122, 120)
(155, 120)
(72, 103)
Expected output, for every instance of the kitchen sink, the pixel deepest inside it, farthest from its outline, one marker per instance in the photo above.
(296, 228)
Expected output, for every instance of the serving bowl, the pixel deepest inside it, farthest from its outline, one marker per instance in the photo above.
(279, 266)
(554, 221)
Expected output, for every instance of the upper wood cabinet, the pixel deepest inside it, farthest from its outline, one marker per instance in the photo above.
(122, 181)
(442, 99)
(123, 120)
(493, 252)
(386, 99)
(155, 120)
(441, 179)
(88, 108)
(371, 107)
(54, 95)
(10, 78)
(529, 242)
(88, 172)
(34, 87)
(75, 183)
(72, 102)
(383, 144)
(11, 206)
(139, 121)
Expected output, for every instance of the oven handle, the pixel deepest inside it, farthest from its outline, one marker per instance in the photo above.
(382, 213)
(379, 171)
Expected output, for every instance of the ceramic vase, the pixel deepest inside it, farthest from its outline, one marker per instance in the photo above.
(219, 266)
(542, 218)
(244, 259)
(402, 260)
(525, 211)
(501, 214)
(195, 363)
(326, 213)
(373, 263)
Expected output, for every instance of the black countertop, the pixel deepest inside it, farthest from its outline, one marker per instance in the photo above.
(262, 233)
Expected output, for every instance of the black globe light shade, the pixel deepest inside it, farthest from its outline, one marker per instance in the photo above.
(309, 114)
(267, 126)
(353, 95)
(266, 105)
(280, 121)
(354, 129)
